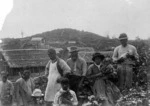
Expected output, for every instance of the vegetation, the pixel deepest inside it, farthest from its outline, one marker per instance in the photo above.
(82, 38)
(139, 92)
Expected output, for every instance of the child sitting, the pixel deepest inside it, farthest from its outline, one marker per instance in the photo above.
(65, 96)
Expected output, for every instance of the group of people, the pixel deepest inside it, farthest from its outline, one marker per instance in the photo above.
(76, 65)
(59, 93)
(20, 94)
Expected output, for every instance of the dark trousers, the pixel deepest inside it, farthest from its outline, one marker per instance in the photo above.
(74, 82)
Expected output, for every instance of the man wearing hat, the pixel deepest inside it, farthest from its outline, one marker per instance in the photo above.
(120, 55)
(6, 90)
(77, 64)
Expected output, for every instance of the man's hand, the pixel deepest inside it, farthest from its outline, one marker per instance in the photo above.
(104, 78)
(81, 81)
(67, 75)
(66, 101)
(120, 60)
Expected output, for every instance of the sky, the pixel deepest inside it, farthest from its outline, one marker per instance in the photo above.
(103, 17)
(5, 9)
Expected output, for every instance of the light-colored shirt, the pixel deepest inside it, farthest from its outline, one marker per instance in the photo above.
(28, 84)
(79, 67)
(57, 101)
(99, 66)
(6, 91)
(121, 51)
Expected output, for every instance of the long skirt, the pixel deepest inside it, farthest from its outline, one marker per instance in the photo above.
(106, 90)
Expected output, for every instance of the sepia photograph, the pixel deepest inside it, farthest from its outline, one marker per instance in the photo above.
(74, 53)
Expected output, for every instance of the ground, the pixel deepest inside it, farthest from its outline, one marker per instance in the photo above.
(36, 74)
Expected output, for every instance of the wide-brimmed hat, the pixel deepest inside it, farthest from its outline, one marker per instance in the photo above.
(98, 55)
(37, 92)
(73, 49)
(123, 36)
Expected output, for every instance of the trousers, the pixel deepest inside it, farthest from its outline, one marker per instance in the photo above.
(125, 73)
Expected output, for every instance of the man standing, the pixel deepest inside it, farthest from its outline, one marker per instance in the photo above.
(125, 55)
(24, 89)
(6, 90)
(55, 69)
(78, 67)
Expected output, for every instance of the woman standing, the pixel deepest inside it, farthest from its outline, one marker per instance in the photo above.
(103, 89)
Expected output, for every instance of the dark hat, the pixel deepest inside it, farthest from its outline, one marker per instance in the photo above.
(73, 49)
(99, 55)
(123, 36)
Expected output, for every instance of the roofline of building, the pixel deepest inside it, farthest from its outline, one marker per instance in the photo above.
(22, 49)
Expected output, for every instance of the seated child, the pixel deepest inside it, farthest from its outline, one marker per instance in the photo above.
(65, 96)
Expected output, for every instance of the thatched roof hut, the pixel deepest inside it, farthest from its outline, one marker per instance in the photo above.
(35, 59)
(25, 57)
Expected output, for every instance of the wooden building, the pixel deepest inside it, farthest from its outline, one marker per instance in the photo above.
(17, 60)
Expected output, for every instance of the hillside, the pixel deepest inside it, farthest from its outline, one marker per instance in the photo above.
(68, 34)
(82, 38)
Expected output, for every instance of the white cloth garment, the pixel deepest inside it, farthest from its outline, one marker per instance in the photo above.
(52, 86)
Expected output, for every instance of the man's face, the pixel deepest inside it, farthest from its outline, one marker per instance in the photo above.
(97, 60)
(26, 75)
(65, 86)
(124, 42)
(4, 78)
(74, 56)
(52, 55)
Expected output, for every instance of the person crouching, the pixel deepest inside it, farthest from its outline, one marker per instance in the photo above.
(65, 96)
